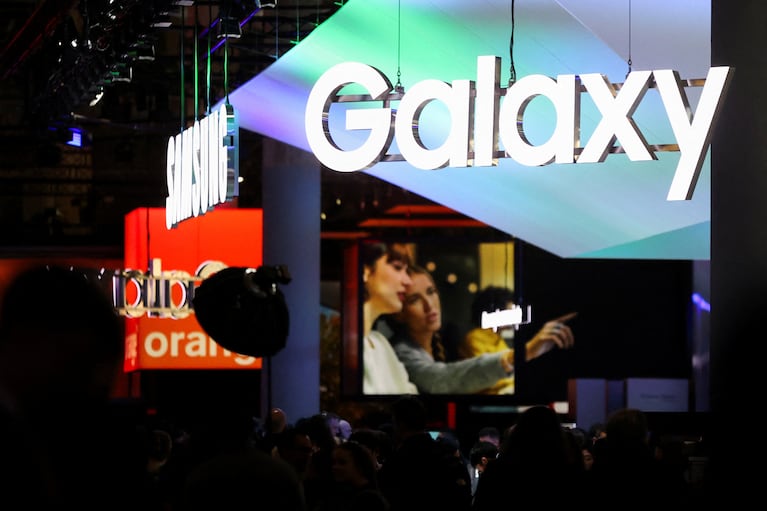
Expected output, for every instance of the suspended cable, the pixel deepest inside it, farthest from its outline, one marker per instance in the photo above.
(226, 69)
(208, 64)
(629, 56)
(181, 73)
(398, 87)
(276, 32)
(298, 27)
(512, 70)
(196, 66)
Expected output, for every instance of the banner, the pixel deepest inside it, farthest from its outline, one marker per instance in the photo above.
(163, 267)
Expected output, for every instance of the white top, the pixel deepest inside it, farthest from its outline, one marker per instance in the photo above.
(383, 371)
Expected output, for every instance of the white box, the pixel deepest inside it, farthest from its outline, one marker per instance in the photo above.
(658, 394)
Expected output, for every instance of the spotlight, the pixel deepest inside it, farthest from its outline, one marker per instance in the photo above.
(141, 51)
(229, 27)
(77, 137)
(162, 20)
(121, 72)
(71, 135)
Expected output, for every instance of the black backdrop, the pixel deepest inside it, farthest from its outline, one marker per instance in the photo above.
(632, 319)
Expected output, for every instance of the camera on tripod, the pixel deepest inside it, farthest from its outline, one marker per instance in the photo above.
(244, 310)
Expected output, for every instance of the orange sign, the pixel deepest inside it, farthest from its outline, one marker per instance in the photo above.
(163, 267)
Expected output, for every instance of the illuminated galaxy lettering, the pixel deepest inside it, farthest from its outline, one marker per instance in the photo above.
(480, 121)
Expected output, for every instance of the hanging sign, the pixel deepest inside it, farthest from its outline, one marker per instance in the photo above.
(480, 121)
(202, 166)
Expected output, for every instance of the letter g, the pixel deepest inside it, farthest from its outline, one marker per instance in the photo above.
(378, 120)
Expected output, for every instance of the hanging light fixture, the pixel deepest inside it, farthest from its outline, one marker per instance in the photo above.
(121, 72)
(229, 26)
(141, 50)
(161, 20)
(228, 22)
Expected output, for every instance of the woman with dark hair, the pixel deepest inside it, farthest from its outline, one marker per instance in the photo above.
(384, 278)
(417, 344)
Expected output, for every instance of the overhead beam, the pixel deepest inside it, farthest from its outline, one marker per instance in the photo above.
(28, 39)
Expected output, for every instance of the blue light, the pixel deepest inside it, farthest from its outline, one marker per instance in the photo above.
(77, 137)
(701, 302)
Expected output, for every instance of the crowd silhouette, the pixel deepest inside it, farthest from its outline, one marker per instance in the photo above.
(64, 443)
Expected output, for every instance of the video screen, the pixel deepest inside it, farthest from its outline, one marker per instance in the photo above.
(420, 313)
(473, 321)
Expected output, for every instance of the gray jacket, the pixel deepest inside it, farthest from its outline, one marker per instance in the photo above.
(459, 377)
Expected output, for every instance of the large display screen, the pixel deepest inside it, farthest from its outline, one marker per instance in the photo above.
(419, 317)
(412, 312)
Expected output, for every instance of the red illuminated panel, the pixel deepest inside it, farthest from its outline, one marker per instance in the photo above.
(230, 237)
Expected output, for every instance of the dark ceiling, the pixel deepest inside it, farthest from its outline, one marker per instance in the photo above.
(57, 55)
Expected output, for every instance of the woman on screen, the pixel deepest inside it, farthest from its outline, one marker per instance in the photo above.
(384, 277)
(417, 344)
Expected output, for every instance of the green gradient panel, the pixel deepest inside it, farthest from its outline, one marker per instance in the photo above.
(613, 209)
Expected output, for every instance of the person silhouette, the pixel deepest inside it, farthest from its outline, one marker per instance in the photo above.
(60, 352)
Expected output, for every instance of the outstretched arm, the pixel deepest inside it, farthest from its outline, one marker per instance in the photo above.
(554, 333)
(462, 376)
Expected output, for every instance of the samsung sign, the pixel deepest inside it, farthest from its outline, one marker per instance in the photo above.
(202, 166)
(480, 121)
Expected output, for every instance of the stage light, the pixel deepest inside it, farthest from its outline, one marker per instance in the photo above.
(74, 136)
(77, 137)
(141, 51)
(229, 27)
(162, 20)
(121, 72)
